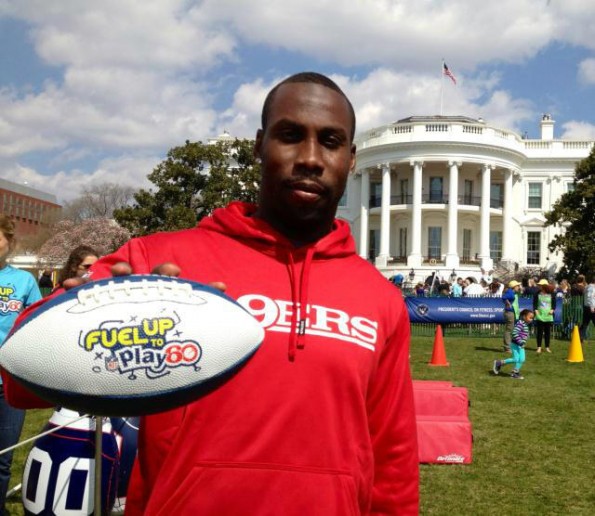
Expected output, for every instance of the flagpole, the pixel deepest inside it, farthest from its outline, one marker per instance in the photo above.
(441, 85)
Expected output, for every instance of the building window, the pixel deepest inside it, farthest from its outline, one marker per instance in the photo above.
(468, 192)
(533, 247)
(404, 191)
(496, 245)
(434, 242)
(467, 245)
(374, 244)
(496, 195)
(436, 189)
(570, 187)
(403, 242)
(535, 195)
(376, 196)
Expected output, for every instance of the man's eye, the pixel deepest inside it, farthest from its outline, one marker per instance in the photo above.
(332, 142)
(289, 135)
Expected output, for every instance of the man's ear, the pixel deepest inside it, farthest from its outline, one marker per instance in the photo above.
(352, 164)
(258, 145)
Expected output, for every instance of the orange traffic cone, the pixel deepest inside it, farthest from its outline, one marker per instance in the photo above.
(575, 351)
(438, 354)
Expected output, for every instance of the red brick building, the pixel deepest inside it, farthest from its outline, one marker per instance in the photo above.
(30, 208)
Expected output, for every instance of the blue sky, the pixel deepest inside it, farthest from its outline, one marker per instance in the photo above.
(94, 92)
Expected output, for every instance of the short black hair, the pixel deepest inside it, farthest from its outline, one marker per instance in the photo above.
(306, 77)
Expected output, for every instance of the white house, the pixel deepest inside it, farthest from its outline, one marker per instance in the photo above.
(455, 195)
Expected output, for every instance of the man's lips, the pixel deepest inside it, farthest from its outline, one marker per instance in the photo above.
(307, 186)
(306, 191)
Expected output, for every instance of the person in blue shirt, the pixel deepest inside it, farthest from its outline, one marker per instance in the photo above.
(18, 289)
(397, 280)
(457, 288)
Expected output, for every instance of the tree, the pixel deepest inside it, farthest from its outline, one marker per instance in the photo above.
(575, 213)
(190, 183)
(98, 201)
(103, 235)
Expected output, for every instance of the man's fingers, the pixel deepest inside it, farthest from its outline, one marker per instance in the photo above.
(73, 282)
(219, 285)
(121, 269)
(167, 269)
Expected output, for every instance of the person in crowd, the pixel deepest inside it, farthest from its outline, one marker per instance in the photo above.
(532, 288)
(578, 287)
(510, 298)
(457, 288)
(495, 289)
(444, 289)
(420, 290)
(318, 421)
(78, 263)
(473, 289)
(520, 334)
(18, 290)
(544, 306)
(397, 280)
(588, 307)
(563, 289)
(45, 280)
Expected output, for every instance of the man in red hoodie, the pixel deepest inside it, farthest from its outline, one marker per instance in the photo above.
(321, 420)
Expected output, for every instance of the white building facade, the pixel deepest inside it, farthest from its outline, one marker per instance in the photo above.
(456, 195)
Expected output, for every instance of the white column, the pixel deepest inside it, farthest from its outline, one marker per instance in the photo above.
(507, 217)
(383, 256)
(452, 255)
(484, 237)
(364, 214)
(415, 259)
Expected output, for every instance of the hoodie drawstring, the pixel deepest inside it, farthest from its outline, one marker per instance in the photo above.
(299, 302)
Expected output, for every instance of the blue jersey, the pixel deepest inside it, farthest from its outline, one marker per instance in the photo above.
(59, 471)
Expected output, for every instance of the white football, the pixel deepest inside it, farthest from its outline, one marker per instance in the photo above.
(131, 345)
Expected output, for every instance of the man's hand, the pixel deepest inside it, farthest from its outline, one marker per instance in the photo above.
(124, 269)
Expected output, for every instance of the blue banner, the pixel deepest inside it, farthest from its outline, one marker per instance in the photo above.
(464, 310)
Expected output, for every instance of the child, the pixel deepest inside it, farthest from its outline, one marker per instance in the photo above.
(520, 333)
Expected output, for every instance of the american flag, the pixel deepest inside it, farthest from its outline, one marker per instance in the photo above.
(448, 73)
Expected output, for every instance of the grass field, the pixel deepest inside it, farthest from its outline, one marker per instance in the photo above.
(534, 439)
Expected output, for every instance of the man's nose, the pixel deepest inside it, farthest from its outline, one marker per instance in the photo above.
(310, 154)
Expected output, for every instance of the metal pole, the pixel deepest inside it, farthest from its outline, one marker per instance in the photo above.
(441, 85)
(98, 455)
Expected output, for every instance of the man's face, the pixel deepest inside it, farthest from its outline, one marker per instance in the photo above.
(307, 154)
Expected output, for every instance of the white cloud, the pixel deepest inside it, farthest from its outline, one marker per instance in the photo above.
(586, 71)
(396, 33)
(242, 118)
(67, 184)
(576, 130)
(161, 34)
(140, 76)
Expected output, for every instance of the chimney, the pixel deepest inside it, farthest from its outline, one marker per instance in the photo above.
(547, 127)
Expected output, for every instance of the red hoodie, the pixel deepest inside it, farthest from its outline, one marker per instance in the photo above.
(321, 420)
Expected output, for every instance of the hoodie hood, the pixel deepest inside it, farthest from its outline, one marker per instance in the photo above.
(237, 221)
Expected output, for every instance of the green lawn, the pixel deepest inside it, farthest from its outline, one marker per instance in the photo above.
(534, 440)
(534, 445)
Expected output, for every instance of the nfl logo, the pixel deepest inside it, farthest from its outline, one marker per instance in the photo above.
(112, 364)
